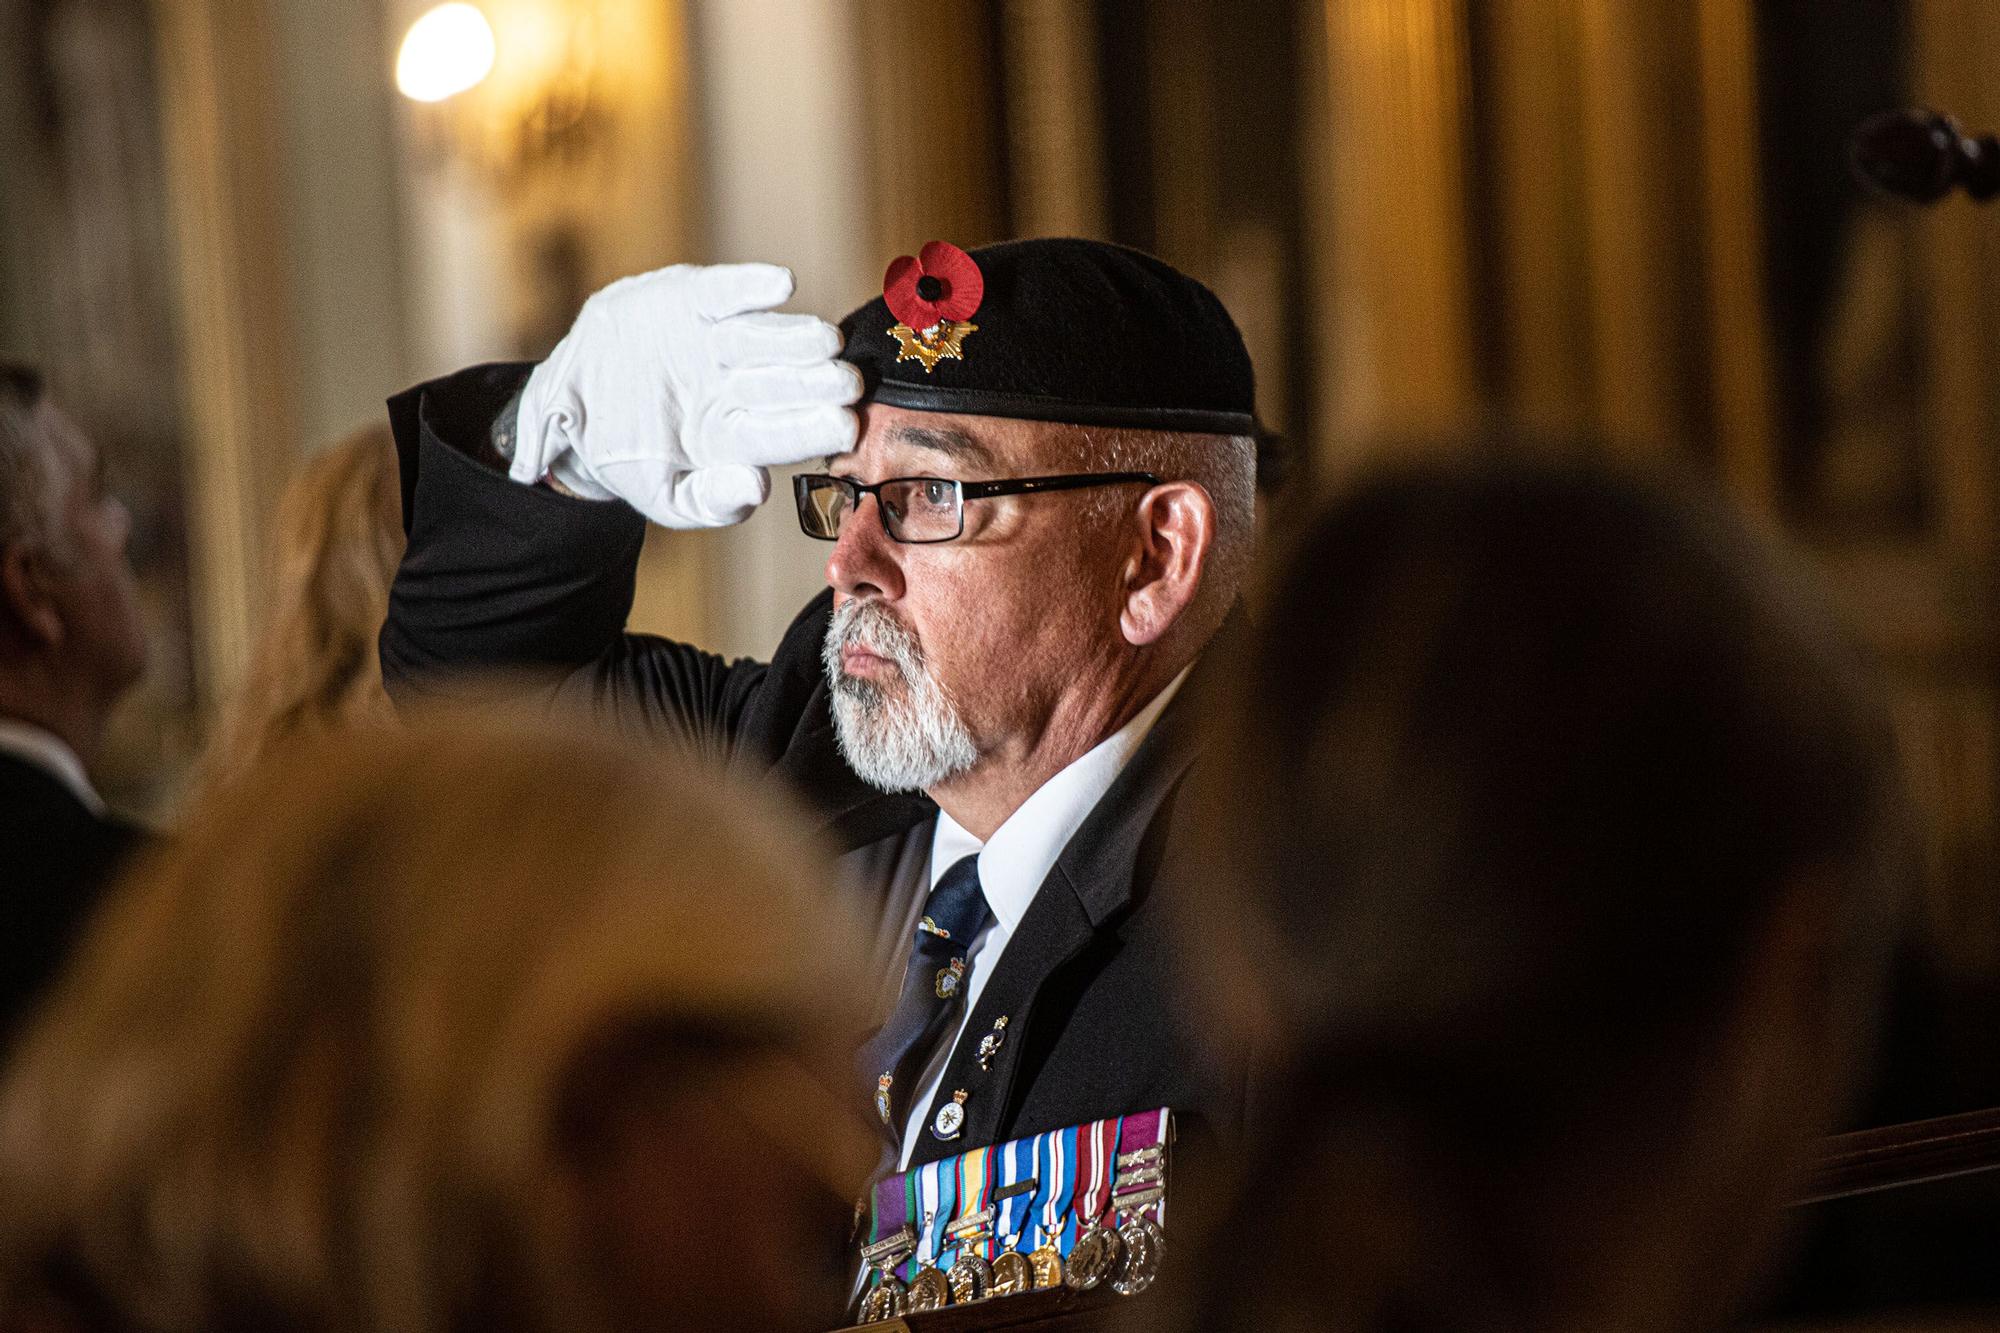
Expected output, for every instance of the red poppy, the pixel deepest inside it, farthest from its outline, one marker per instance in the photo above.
(942, 284)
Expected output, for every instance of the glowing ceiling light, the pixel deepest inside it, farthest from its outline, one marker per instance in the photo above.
(446, 52)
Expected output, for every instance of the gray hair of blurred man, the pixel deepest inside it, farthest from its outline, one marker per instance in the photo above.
(31, 469)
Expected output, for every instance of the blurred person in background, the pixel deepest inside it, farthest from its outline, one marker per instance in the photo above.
(71, 644)
(338, 536)
(1562, 843)
(385, 1041)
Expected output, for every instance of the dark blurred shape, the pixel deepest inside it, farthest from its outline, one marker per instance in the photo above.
(1923, 156)
(1558, 846)
(336, 543)
(1277, 460)
(444, 1028)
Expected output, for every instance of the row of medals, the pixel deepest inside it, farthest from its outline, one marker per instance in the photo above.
(1126, 1256)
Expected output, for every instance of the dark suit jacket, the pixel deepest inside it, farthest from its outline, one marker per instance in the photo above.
(499, 575)
(56, 857)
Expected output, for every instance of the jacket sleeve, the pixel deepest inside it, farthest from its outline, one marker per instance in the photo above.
(521, 584)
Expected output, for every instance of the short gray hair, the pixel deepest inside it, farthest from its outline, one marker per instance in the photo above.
(1223, 465)
(31, 474)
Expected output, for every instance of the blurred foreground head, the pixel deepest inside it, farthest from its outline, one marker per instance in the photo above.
(1561, 838)
(450, 1028)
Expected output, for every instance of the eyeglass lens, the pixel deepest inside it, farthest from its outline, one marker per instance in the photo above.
(914, 509)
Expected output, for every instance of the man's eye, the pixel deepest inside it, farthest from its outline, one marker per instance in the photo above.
(937, 493)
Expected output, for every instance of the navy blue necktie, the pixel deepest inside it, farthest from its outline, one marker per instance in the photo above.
(933, 997)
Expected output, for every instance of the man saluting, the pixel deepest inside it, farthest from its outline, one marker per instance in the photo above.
(1039, 494)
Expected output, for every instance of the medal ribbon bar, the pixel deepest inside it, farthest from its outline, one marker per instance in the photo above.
(1142, 1143)
(937, 1183)
(975, 1197)
(1017, 1160)
(1097, 1149)
(1058, 1185)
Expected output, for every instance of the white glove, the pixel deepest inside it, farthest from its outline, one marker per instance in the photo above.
(675, 390)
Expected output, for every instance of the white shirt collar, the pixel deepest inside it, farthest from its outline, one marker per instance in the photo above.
(1018, 857)
(48, 752)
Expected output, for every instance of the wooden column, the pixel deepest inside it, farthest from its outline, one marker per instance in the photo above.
(1956, 47)
(1731, 208)
(1393, 296)
(223, 170)
(1054, 127)
(933, 132)
(1541, 247)
(1631, 214)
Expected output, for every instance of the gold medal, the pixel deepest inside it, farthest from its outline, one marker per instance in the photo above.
(1047, 1265)
(929, 1290)
(1144, 1242)
(971, 1278)
(1012, 1274)
(1093, 1258)
(887, 1300)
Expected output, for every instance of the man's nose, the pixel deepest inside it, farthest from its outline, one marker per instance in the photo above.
(865, 561)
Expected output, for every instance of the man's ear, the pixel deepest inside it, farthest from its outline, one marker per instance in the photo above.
(1176, 528)
(27, 604)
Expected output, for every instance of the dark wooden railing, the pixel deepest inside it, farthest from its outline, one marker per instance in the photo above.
(1896, 1156)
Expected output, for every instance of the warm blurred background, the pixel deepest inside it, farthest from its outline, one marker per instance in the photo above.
(228, 235)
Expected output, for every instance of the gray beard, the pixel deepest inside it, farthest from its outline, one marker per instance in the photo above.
(896, 739)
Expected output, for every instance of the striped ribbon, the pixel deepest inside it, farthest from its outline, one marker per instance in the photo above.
(1057, 1159)
(1097, 1153)
(1136, 1134)
(937, 1190)
(975, 1195)
(1017, 1164)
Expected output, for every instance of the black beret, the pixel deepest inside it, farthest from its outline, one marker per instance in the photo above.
(1064, 330)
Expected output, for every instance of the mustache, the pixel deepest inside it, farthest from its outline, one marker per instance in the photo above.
(873, 629)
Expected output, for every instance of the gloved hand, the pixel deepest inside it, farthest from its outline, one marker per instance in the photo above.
(675, 390)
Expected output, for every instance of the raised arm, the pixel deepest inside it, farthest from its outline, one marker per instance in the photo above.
(668, 400)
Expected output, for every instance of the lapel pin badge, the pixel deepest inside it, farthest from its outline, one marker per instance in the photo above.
(950, 1120)
(989, 1045)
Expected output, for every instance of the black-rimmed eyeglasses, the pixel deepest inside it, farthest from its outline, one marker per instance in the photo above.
(916, 510)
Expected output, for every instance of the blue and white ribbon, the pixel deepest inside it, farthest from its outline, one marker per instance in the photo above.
(1017, 1161)
(938, 1188)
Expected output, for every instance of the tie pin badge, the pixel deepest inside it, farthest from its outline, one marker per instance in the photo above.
(931, 927)
(948, 978)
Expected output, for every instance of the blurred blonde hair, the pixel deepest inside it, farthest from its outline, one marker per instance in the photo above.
(313, 1065)
(335, 548)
